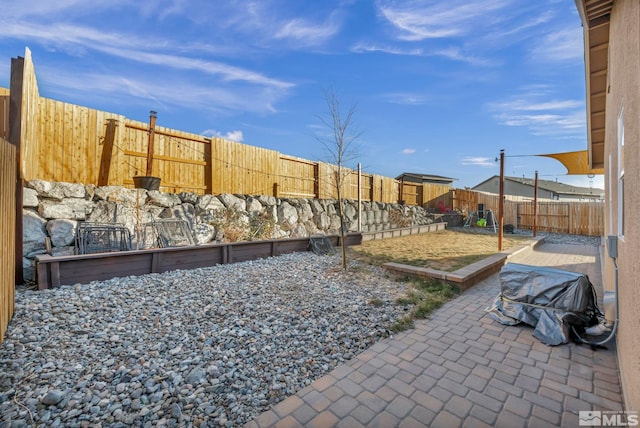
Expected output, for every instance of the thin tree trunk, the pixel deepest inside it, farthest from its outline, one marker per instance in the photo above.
(340, 213)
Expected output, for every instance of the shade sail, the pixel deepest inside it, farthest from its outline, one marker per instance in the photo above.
(577, 163)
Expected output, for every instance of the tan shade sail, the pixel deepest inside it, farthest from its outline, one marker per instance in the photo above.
(577, 163)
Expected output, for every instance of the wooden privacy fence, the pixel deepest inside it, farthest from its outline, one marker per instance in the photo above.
(7, 231)
(580, 218)
(70, 143)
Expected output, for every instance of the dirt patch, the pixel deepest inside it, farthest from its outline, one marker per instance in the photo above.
(445, 250)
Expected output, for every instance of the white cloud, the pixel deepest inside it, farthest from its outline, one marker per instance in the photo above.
(457, 54)
(408, 151)
(166, 92)
(476, 30)
(537, 109)
(393, 50)
(562, 45)
(133, 48)
(264, 23)
(225, 71)
(419, 20)
(512, 30)
(544, 120)
(528, 105)
(37, 8)
(307, 33)
(478, 161)
(234, 136)
(230, 135)
(405, 98)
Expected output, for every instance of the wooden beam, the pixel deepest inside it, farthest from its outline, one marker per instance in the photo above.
(165, 158)
(203, 140)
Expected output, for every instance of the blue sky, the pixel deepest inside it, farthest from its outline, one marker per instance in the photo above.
(439, 86)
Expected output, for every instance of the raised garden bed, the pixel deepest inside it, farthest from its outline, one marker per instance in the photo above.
(66, 270)
(404, 231)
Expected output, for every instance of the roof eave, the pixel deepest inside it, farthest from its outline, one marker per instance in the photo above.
(595, 15)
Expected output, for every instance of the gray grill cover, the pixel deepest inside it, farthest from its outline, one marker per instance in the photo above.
(551, 300)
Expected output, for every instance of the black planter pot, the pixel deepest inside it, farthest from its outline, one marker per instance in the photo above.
(146, 182)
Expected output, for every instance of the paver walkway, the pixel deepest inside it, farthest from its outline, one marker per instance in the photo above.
(462, 368)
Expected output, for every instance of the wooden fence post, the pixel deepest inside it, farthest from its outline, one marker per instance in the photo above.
(152, 131)
(501, 201)
(15, 137)
(535, 205)
(107, 152)
(316, 182)
(359, 197)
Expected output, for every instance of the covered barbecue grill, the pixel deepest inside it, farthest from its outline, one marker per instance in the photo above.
(550, 300)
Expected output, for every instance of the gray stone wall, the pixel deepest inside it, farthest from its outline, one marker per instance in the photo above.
(52, 212)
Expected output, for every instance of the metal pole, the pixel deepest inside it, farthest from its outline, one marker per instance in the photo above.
(152, 131)
(501, 202)
(535, 204)
(359, 197)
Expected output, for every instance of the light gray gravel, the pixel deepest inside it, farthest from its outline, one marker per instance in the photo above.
(549, 237)
(205, 347)
(560, 238)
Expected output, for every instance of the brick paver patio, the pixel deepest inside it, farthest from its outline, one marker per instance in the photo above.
(462, 368)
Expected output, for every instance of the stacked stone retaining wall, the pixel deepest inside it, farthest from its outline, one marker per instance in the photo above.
(52, 212)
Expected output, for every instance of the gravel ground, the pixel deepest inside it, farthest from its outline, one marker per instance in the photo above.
(549, 237)
(206, 347)
(559, 238)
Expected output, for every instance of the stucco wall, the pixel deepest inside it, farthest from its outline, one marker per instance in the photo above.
(624, 92)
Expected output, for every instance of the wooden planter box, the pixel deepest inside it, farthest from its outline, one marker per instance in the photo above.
(66, 270)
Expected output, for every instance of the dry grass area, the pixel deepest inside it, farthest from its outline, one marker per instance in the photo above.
(446, 250)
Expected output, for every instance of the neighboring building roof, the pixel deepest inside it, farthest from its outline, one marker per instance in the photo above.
(430, 178)
(551, 186)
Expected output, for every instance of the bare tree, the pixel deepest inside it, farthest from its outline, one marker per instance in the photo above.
(339, 146)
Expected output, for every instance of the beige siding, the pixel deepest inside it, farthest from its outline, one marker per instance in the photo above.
(624, 92)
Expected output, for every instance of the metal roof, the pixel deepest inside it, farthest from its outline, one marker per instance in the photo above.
(425, 177)
(556, 187)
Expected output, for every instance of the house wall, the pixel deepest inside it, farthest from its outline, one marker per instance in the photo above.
(512, 188)
(577, 198)
(624, 91)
